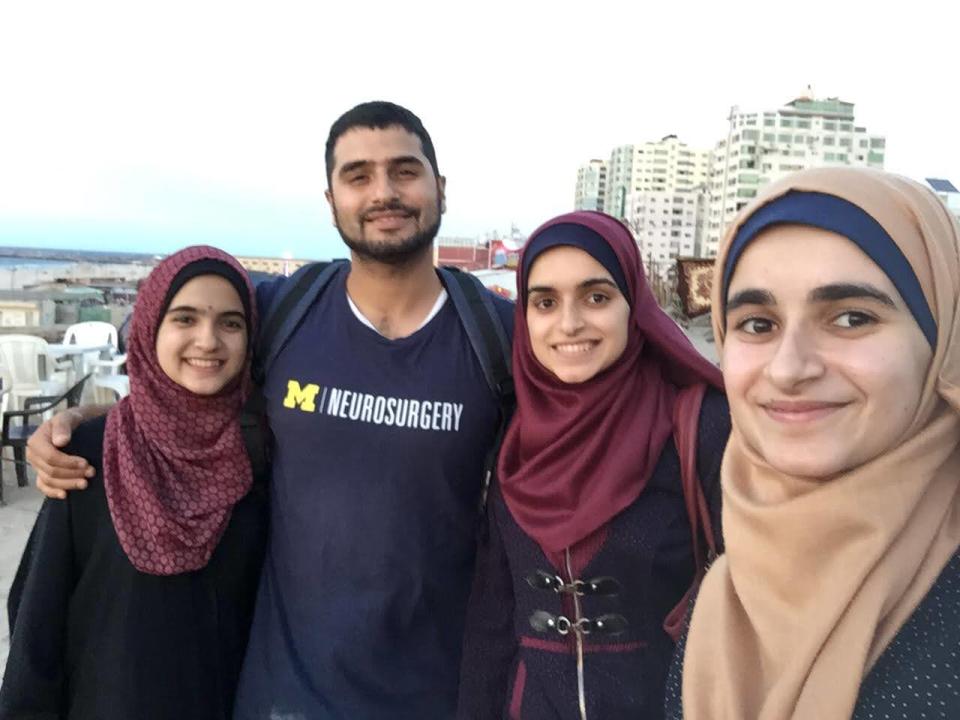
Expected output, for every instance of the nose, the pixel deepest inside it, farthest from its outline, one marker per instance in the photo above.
(384, 189)
(571, 321)
(207, 338)
(797, 359)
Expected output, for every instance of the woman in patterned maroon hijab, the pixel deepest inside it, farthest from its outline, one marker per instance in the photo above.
(134, 598)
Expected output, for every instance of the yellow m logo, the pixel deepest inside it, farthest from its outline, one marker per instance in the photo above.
(304, 398)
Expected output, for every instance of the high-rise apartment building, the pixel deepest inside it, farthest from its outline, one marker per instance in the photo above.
(591, 186)
(762, 147)
(658, 190)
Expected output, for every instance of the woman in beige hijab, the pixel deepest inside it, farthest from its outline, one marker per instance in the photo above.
(836, 310)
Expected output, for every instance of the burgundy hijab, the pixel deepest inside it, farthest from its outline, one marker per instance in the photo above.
(174, 463)
(576, 455)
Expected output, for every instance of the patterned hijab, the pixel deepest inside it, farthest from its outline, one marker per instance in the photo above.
(576, 455)
(818, 577)
(174, 462)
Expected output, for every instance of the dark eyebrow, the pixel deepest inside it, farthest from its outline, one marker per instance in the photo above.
(599, 281)
(584, 284)
(847, 291)
(351, 166)
(750, 296)
(182, 308)
(405, 160)
(190, 308)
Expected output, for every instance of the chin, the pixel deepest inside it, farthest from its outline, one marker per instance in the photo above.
(574, 376)
(811, 464)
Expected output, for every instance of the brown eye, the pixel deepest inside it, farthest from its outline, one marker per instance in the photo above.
(853, 319)
(755, 326)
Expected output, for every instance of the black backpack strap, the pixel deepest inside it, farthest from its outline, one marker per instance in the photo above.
(256, 436)
(287, 310)
(478, 315)
(491, 345)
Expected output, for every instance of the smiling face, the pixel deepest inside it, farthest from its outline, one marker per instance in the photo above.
(577, 318)
(385, 196)
(823, 363)
(202, 338)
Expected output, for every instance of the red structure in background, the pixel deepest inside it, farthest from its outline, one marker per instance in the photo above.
(466, 257)
(470, 255)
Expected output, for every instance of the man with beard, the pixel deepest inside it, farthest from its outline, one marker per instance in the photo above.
(381, 419)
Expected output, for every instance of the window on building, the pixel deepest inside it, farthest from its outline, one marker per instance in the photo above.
(799, 138)
(829, 125)
(769, 122)
(842, 157)
(805, 124)
(864, 143)
(769, 137)
(786, 122)
(828, 141)
(846, 126)
(750, 134)
(845, 142)
(830, 157)
(784, 137)
(877, 143)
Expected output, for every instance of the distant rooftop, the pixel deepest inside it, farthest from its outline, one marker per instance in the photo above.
(40, 295)
(832, 107)
(941, 185)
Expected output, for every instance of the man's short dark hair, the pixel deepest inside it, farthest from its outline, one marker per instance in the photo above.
(378, 115)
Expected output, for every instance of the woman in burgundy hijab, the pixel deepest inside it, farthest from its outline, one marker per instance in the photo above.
(134, 599)
(607, 496)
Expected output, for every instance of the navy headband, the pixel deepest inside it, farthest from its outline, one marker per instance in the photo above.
(835, 214)
(578, 236)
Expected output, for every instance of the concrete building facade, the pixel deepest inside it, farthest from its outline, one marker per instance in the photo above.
(659, 190)
(762, 147)
(591, 187)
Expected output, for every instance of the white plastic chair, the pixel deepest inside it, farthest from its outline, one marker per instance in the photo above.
(21, 357)
(95, 333)
(108, 389)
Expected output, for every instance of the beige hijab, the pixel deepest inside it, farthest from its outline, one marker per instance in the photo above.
(818, 577)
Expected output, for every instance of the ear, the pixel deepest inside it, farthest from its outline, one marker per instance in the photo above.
(328, 194)
(442, 191)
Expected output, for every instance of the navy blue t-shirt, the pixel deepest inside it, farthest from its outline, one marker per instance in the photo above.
(377, 468)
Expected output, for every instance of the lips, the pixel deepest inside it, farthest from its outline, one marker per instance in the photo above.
(204, 363)
(581, 347)
(801, 410)
(373, 217)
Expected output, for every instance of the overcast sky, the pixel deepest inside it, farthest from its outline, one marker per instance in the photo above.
(146, 126)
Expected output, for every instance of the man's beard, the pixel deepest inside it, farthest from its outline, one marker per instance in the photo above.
(396, 251)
